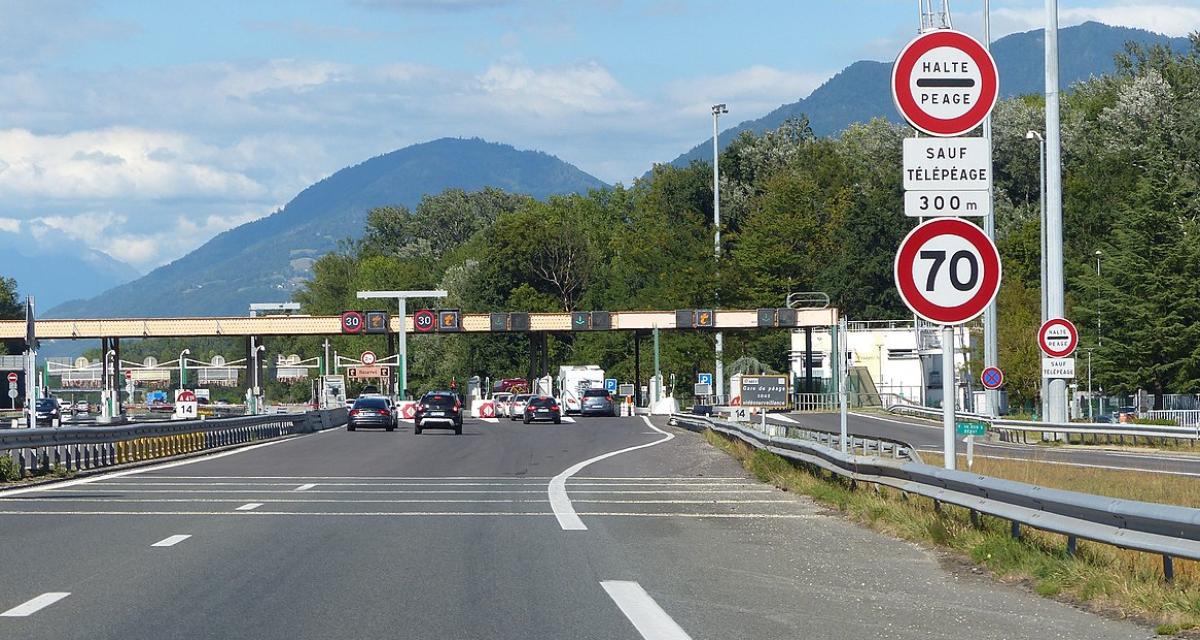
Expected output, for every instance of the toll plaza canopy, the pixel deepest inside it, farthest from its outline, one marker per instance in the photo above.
(295, 325)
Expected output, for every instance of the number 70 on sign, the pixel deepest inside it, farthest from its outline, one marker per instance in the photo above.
(947, 271)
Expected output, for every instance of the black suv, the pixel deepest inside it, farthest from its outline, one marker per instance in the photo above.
(438, 410)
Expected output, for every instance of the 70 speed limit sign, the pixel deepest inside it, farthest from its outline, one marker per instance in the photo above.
(947, 271)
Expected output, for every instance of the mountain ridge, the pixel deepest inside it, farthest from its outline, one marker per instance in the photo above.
(266, 259)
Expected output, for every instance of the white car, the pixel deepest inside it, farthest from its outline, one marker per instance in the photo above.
(500, 402)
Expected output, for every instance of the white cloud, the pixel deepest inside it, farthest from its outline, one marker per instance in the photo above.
(754, 90)
(10, 225)
(114, 163)
(578, 90)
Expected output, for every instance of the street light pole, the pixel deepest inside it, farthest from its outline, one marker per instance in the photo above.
(1054, 230)
(402, 305)
(991, 341)
(183, 368)
(1034, 135)
(717, 110)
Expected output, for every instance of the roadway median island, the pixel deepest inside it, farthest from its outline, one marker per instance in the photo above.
(1104, 579)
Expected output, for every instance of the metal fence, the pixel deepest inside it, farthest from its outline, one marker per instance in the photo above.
(1171, 531)
(48, 450)
(1021, 430)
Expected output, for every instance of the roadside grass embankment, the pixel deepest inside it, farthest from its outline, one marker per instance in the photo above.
(1104, 579)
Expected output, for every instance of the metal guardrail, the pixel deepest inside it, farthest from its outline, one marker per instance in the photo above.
(46, 450)
(1171, 531)
(1014, 430)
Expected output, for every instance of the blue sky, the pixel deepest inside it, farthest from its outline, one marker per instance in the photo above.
(144, 128)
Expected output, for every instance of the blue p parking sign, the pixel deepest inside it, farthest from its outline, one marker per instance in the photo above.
(610, 385)
(704, 378)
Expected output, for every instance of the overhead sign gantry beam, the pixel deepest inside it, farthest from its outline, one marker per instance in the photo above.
(299, 325)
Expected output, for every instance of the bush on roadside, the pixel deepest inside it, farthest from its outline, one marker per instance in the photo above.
(9, 470)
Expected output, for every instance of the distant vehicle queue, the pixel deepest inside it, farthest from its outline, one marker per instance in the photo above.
(580, 391)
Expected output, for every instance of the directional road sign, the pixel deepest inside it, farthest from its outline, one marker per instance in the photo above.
(970, 428)
(947, 271)
(352, 322)
(425, 320)
(944, 83)
(1058, 338)
(992, 378)
(367, 358)
(610, 385)
(704, 378)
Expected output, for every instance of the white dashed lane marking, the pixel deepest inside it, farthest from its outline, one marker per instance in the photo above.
(37, 604)
(171, 541)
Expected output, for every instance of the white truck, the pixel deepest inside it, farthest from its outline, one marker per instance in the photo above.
(573, 380)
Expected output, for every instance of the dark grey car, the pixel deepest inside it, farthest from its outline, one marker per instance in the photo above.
(373, 412)
(598, 402)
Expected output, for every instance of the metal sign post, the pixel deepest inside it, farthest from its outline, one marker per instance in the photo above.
(402, 297)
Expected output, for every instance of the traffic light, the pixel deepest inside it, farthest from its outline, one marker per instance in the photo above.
(601, 321)
(377, 322)
(766, 318)
(448, 320)
(581, 321)
(787, 317)
(705, 319)
(684, 318)
(499, 322)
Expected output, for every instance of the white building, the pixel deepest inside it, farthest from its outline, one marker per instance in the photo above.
(903, 360)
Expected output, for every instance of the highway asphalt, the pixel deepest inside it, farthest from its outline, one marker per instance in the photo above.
(391, 535)
(927, 436)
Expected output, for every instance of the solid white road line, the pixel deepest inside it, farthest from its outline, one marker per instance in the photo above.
(647, 617)
(250, 506)
(568, 419)
(305, 487)
(35, 605)
(578, 482)
(130, 472)
(561, 503)
(171, 541)
(743, 478)
(631, 514)
(266, 501)
(781, 417)
(491, 420)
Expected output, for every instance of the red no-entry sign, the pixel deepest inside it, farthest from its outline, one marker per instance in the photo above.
(947, 271)
(1058, 337)
(12, 377)
(945, 83)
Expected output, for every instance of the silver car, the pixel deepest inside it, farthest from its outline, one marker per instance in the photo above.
(516, 408)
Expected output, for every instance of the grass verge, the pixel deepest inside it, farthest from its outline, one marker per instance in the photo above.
(1162, 488)
(1114, 582)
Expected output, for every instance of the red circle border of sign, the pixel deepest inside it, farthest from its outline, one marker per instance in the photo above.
(362, 358)
(983, 378)
(902, 95)
(12, 377)
(1070, 329)
(432, 320)
(350, 314)
(907, 254)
